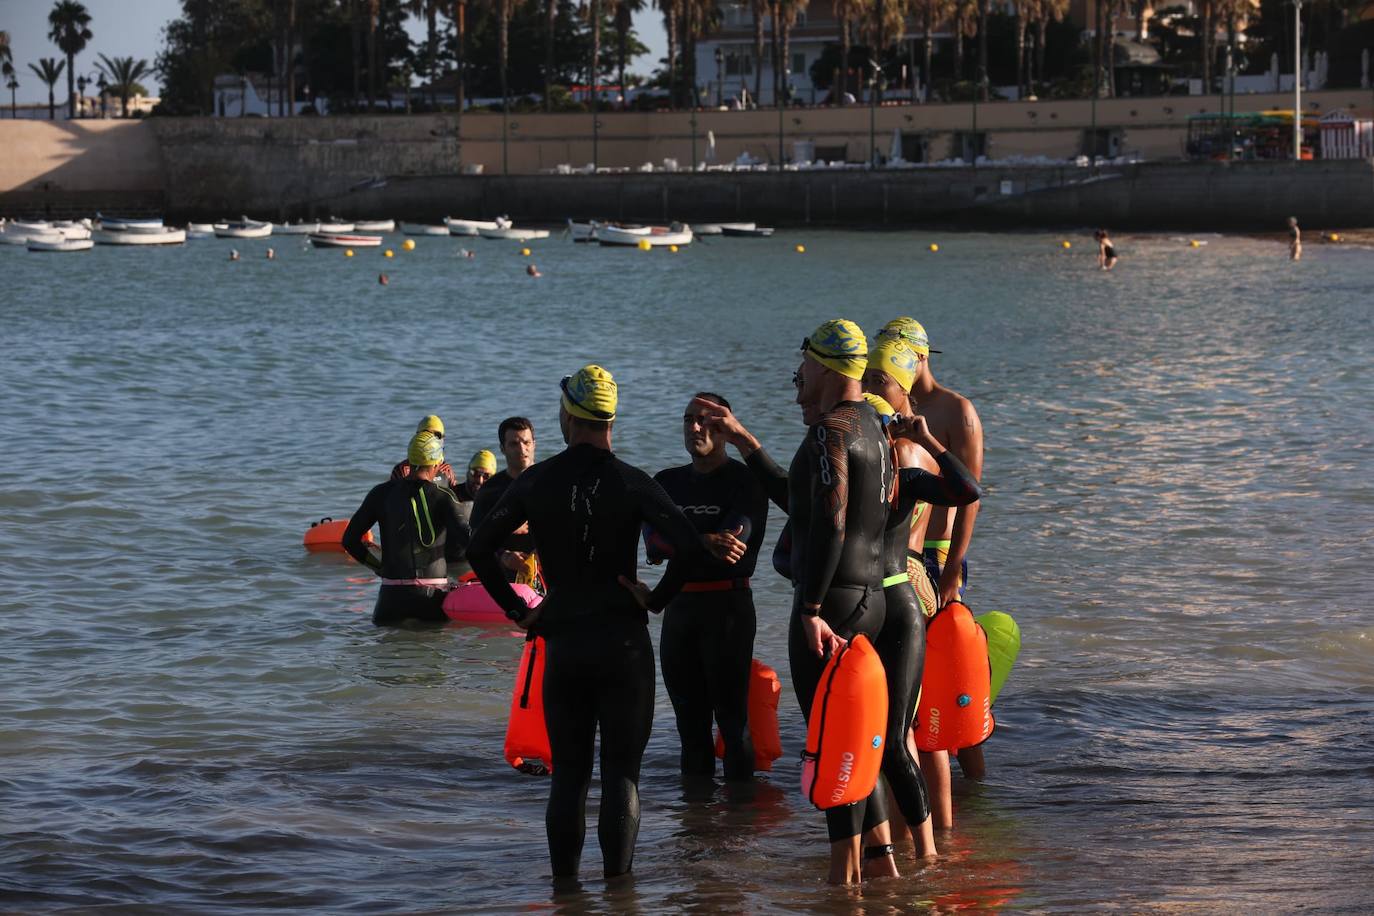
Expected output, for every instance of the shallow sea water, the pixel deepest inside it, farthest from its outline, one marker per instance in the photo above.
(197, 715)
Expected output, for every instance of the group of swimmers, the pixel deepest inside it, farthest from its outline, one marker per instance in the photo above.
(881, 499)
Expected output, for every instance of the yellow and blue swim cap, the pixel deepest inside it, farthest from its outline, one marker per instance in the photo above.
(911, 331)
(483, 461)
(896, 357)
(431, 424)
(425, 450)
(840, 345)
(590, 394)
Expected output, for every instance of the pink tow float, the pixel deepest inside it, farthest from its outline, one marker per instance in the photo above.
(469, 602)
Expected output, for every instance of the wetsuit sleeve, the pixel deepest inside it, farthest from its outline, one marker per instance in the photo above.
(660, 513)
(360, 524)
(459, 534)
(770, 475)
(827, 456)
(953, 486)
(489, 535)
(656, 547)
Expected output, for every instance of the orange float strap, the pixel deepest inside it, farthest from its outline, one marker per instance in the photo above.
(844, 738)
(955, 709)
(527, 735)
(764, 689)
(327, 534)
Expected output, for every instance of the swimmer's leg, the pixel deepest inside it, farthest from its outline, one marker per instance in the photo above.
(626, 712)
(971, 763)
(680, 651)
(935, 768)
(728, 656)
(570, 711)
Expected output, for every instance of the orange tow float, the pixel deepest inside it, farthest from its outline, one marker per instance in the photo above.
(527, 735)
(327, 534)
(764, 689)
(955, 709)
(844, 738)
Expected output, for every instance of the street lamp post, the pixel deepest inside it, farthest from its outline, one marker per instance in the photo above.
(102, 86)
(782, 106)
(872, 114)
(12, 84)
(720, 80)
(81, 95)
(1297, 80)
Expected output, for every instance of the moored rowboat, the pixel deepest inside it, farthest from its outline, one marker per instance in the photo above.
(340, 240)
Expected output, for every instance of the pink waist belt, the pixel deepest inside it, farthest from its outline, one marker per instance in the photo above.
(425, 583)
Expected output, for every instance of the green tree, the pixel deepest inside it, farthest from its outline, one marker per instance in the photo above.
(622, 14)
(69, 28)
(429, 60)
(930, 13)
(847, 12)
(123, 74)
(49, 70)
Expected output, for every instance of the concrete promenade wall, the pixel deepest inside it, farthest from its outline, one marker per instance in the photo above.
(212, 168)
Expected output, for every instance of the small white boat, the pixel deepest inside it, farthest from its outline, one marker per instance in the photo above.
(70, 229)
(55, 242)
(344, 240)
(745, 232)
(421, 229)
(167, 236)
(298, 228)
(375, 225)
(130, 223)
(13, 234)
(243, 228)
(200, 230)
(468, 227)
(336, 225)
(505, 230)
(656, 236)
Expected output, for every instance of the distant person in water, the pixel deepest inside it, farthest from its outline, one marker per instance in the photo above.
(1294, 240)
(271, 254)
(233, 254)
(533, 271)
(1106, 251)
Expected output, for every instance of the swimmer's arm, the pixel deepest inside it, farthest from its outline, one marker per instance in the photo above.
(487, 539)
(966, 442)
(459, 534)
(770, 476)
(360, 524)
(659, 512)
(953, 486)
(827, 450)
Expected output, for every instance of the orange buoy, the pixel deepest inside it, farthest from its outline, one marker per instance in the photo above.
(327, 534)
(955, 709)
(844, 738)
(527, 737)
(764, 689)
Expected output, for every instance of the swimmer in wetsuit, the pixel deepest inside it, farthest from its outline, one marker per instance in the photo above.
(707, 643)
(516, 437)
(836, 495)
(585, 509)
(434, 425)
(929, 475)
(421, 534)
(943, 545)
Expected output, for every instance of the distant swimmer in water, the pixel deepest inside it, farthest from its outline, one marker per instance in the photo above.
(271, 254)
(422, 532)
(533, 271)
(1294, 240)
(383, 279)
(585, 508)
(465, 253)
(233, 254)
(1106, 251)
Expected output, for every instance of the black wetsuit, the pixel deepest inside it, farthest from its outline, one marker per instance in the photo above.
(422, 532)
(486, 500)
(585, 509)
(901, 644)
(707, 643)
(836, 496)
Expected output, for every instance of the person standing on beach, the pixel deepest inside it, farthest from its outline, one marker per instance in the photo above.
(584, 509)
(421, 534)
(954, 423)
(707, 643)
(1294, 239)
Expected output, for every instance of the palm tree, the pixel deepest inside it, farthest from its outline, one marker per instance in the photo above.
(670, 10)
(930, 13)
(982, 88)
(789, 11)
(624, 21)
(504, 9)
(459, 15)
(429, 10)
(550, 28)
(884, 24)
(49, 70)
(1043, 11)
(847, 12)
(965, 26)
(69, 29)
(123, 74)
(594, 10)
(7, 69)
(759, 9)
(374, 10)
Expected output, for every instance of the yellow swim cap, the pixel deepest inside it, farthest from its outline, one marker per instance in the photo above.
(880, 404)
(483, 461)
(590, 394)
(910, 330)
(426, 450)
(896, 357)
(432, 424)
(839, 344)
